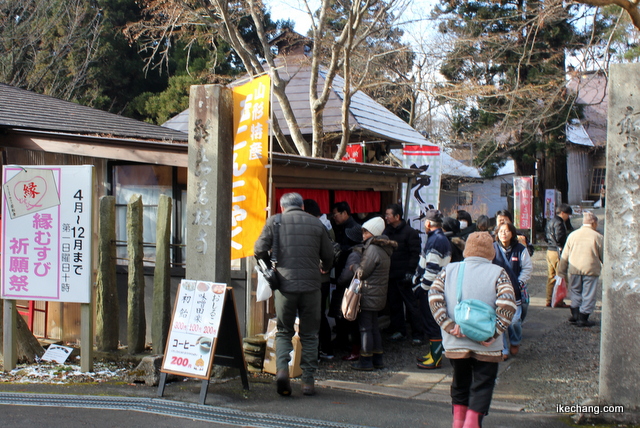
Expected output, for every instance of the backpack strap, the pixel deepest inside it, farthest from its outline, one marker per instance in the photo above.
(276, 240)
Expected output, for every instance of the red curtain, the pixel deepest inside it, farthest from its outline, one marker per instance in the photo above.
(320, 196)
(360, 201)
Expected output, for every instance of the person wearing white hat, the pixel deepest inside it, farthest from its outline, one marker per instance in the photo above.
(373, 271)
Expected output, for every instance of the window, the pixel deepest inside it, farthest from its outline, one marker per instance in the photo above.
(506, 189)
(465, 198)
(149, 181)
(597, 180)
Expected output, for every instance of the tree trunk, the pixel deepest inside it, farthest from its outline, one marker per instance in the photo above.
(27, 345)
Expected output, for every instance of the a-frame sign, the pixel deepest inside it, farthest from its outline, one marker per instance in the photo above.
(204, 331)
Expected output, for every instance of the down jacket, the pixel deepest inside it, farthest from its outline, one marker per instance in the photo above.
(374, 271)
(304, 243)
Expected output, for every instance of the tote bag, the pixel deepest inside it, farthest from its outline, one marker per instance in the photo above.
(351, 300)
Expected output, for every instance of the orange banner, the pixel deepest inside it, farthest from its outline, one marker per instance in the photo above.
(250, 159)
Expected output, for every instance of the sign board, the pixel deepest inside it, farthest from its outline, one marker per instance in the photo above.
(57, 353)
(523, 202)
(194, 328)
(47, 224)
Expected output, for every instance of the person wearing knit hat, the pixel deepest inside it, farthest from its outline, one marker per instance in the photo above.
(375, 226)
(582, 260)
(480, 246)
(373, 272)
(435, 256)
(475, 364)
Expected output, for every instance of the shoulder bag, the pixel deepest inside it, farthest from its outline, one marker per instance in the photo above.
(269, 273)
(477, 319)
(351, 299)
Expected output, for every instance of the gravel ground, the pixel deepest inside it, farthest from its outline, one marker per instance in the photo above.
(557, 364)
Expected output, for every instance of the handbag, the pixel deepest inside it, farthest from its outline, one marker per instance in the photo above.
(559, 292)
(351, 299)
(263, 291)
(270, 273)
(477, 319)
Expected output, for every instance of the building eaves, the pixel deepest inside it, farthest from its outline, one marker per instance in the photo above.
(24, 109)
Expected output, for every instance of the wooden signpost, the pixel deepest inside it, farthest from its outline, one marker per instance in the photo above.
(204, 331)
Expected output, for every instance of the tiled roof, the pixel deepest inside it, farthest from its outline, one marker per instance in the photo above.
(591, 92)
(24, 109)
(365, 114)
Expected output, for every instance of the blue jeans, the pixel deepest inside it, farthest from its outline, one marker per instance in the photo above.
(514, 331)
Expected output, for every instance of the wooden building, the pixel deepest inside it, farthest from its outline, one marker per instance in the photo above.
(133, 157)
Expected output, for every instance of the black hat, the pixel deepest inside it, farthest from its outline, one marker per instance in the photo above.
(354, 233)
(434, 215)
(450, 224)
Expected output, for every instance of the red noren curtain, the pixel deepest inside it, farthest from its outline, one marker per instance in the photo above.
(320, 196)
(360, 201)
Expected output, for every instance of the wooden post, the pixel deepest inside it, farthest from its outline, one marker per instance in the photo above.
(107, 306)
(161, 316)
(86, 337)
(136, 323)
(209, 183)
(9, 350)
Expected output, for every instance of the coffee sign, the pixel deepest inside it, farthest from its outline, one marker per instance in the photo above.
(194, 328)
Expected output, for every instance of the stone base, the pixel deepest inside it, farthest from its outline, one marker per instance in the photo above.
(148, 371)
(593, 412)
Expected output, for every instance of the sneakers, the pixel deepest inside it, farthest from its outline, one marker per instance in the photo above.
(417, 342)
(397, 337)
(325, 356)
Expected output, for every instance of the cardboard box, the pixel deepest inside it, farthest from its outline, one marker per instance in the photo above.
(269, 365)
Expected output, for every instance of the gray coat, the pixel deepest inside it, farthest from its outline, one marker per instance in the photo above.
(374, 271)
(303, 243)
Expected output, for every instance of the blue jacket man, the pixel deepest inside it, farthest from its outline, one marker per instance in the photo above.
(436, 255)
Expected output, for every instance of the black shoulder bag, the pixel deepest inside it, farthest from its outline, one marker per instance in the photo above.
(269, 273)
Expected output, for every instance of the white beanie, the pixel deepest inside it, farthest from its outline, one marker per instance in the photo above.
(375, 226)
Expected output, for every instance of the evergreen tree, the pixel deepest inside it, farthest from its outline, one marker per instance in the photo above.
(506, 79)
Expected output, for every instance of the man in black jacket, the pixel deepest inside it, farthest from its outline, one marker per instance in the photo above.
(404, 261)
(303, 243)
(558, 228)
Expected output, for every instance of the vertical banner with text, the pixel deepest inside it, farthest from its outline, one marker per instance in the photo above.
(425, 193)
(250, 159)
(523, 202)
(47, 224)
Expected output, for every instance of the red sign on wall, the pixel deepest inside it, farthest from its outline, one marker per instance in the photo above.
(354, 153)
(523, 202)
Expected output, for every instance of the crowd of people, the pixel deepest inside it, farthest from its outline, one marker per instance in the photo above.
(416, 282)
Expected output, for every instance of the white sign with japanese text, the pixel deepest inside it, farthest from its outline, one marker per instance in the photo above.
(47, 225)
(194, 328)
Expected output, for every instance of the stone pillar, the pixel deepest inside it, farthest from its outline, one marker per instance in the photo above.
(620, 345)
(209, 183)
(107, 306)
(136, 322)
(161, 315)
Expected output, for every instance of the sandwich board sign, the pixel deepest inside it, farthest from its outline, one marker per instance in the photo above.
(204, 329)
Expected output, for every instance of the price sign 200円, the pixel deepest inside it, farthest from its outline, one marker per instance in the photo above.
(194, 328)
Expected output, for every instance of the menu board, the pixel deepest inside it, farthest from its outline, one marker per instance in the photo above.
(194, 328)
